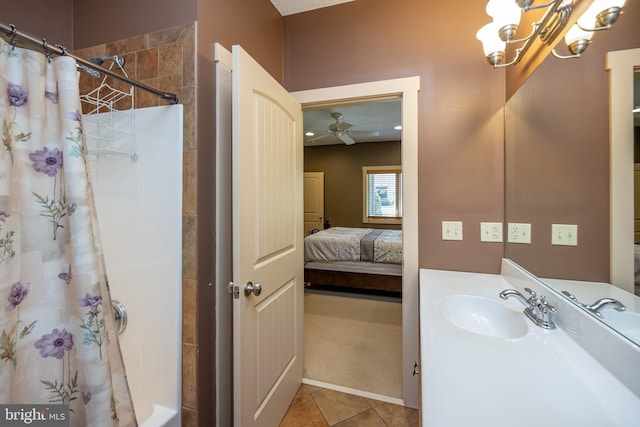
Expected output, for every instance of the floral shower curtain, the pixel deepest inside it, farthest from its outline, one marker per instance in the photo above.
(58, 343)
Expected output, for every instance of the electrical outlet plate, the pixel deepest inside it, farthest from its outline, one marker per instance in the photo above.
(451, 230)
(491, 232)
(519, 233)
(564, 234)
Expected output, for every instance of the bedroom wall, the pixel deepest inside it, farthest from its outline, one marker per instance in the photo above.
(342, 167)
(460, 152)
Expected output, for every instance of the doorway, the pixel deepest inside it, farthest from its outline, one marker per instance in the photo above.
(352, 327)
(407, 89)
(621, 66)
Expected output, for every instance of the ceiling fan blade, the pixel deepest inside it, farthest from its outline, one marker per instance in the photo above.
(316, 138)
(346, 139)
(364, 133)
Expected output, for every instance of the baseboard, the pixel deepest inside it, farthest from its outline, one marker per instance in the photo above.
(348, 390)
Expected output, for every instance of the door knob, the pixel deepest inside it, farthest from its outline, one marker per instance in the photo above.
(250, 287)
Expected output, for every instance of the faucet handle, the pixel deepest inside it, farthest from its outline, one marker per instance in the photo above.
(544, 305)
(544, 313)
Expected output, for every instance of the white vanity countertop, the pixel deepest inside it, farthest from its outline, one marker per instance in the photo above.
(542, 378)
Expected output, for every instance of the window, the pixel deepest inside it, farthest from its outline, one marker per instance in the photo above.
(382, 187)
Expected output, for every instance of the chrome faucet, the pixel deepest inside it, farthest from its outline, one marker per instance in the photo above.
(513, 293)
(602, 302)
(596, 306)
(537, 309)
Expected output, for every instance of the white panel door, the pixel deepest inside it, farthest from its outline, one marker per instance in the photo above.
(313, 201)
(267, 169)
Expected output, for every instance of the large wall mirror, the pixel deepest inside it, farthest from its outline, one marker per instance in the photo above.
(557, 154)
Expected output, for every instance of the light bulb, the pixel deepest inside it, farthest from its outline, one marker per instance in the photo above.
(492, 45)
(577, 39)
(504, 12)
(601, 13)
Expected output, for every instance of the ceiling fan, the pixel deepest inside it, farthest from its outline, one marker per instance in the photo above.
(340, 130)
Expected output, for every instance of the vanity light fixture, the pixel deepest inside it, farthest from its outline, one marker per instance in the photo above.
(506, 14)
(601, 15)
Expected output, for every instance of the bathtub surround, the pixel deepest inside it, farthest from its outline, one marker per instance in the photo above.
(140, 215)
(166, 59)
(56, 327)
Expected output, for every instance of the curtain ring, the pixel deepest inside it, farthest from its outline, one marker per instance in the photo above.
(46, 50)
(12, 41)
(62, 48)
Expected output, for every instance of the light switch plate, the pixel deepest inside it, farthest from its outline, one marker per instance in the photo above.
(519, 233)
(491, 232)
(564, 234)
(451, 230)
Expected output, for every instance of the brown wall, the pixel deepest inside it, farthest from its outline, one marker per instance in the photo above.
(96, 22)
(257, 26)
(461, 156)
(557, 157)
(342, 167)
(41, 18)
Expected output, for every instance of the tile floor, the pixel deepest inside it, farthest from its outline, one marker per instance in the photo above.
(320, 407)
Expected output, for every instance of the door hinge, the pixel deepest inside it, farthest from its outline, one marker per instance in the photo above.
(234, 290)
(416, 368)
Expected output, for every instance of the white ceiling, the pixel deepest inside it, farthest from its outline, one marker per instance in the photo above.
(290, 7)
(378, 116)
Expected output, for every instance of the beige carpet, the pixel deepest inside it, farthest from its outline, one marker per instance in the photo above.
(354, 342)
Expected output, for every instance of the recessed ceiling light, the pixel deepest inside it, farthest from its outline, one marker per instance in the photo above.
(398, 127)
(309, 133)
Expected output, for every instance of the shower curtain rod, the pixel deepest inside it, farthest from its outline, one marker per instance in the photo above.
(16, 38)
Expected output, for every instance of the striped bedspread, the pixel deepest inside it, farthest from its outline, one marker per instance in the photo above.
(354, 244)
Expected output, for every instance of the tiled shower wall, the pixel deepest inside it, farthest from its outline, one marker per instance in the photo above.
(165, 60)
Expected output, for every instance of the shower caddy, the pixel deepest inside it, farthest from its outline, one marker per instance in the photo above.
(109, 131)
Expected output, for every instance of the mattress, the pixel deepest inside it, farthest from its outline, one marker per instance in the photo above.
(354, 245)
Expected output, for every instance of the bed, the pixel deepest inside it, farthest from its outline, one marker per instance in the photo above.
(355, 258)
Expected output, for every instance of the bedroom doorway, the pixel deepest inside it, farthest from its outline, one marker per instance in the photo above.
(406, 90)
(313, 201)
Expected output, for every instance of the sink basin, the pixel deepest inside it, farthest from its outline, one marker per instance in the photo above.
(484, 316)
(625, 322)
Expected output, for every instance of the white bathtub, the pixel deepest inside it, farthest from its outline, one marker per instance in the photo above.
(139, 206)
(162, 416)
